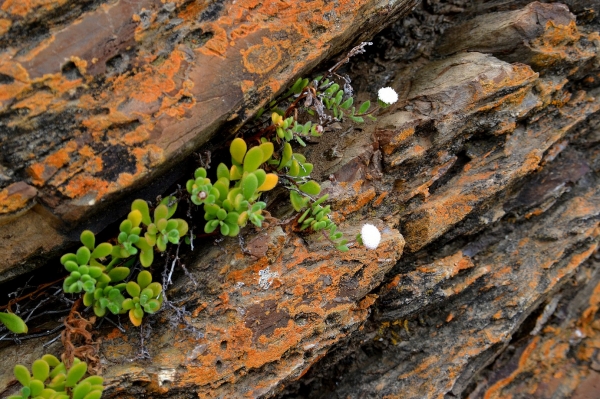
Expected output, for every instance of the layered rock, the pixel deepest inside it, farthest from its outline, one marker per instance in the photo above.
(101, 98)
(488, 168)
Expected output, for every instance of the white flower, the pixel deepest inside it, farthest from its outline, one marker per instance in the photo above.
(370, 236)
(387, 95)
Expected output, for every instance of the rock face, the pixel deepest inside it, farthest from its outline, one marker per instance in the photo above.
(101, 98)
(484, 179)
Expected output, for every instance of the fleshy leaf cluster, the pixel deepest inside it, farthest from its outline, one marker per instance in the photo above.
(232, 200)
(317, 218)
(104, 287)
(50, 379)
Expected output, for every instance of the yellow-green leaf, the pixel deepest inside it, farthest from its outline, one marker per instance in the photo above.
(95, 394)
(270, 182)
(222, 185)
(13, 322)
(253, 159)
(267, 149)
(40, 370)
(36, 387)
(102, 250)
(51, 360)
(146, 257)
(311, 188)
(133, 288)
(235, 173)
(83, 255)
(75, 374)
(286, 156)
(118, 274)
(88, 239)
(294, 168)
(222, 171)
(249, 186)
(298, 201)
(261, 175)
(82, 389)
(135, 217)
(144, 279)
(238, 150)
(22, 375)
(142, 206)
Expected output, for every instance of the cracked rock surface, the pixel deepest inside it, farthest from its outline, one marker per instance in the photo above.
(484, 180)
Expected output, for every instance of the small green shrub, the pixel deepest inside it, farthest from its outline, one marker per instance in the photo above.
(50, 379)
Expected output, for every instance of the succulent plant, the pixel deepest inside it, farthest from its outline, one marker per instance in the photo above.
(317, 218)
(109, 297)
(50, 379)
(146, 297)
(84, 267)
(159, 231)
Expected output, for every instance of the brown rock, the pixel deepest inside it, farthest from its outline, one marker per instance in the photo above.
(98, 99)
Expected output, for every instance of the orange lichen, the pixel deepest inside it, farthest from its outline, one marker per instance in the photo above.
(5, 25)
(15, 197)
(261, 58)
(23, 7)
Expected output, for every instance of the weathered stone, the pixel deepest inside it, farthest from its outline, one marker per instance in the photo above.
(99, 98)
(490, 168)
(264, 321)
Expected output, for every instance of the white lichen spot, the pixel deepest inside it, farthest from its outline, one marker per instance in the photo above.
(166, 375)
(265, 278)
(238, 285)
(370, 236)
(387, 95)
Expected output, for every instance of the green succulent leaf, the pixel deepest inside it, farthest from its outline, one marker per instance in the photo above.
(224, 229)
(182, 227)
(238, 150)
(199, 173)
(267, 150)
(76, 372)
(22, 374)
(133, 289)
(146, 257)
(311, 188)
(261, 176)
(51, 360)
(101, 251)
(298, 201)
(88, 239)
(364, 107)
(249, 185)
(142, 207)
(83, 255)
(160, 213)
(211, 226)
(68, 257)
(144, 279)
(286, 156)
(223, 171)
(13, 322)
(171, 203)
(93, 395)
(40, 370)
(36, 387)
(118, 274)
(253, 159)
(82, 389)
(347, 104)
